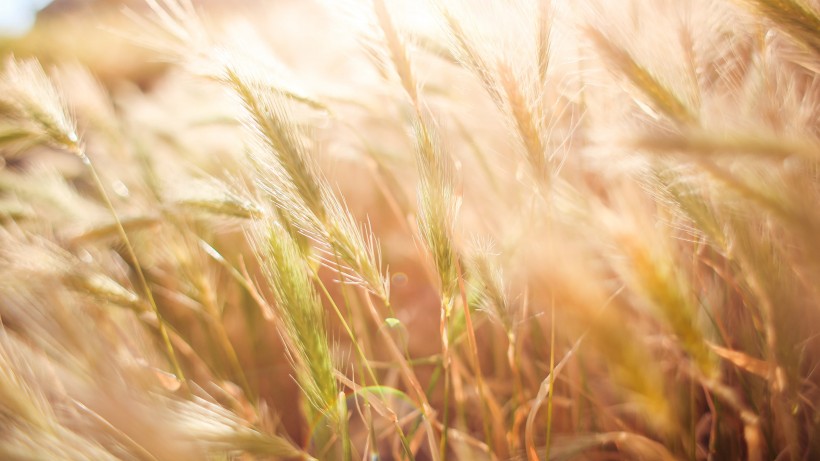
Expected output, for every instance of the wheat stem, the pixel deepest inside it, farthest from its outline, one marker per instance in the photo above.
(169, 349)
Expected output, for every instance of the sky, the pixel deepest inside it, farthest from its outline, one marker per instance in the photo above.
(16, 16)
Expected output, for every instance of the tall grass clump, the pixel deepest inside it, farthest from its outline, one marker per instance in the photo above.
(387, 229)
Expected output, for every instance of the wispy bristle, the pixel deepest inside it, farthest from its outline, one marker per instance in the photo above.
(301, 314)
(398, 51)
(295, 185)
(438, 205)
(26, 89)
(525, 119)
(793, 17)
(543, 42)
(487, 277)
(662, 98)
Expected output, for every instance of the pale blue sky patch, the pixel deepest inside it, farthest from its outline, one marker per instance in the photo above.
(17, 16)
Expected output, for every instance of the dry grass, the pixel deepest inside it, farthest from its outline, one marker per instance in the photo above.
(414, 230)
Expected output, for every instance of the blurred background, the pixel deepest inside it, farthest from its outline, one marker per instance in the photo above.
(96, 34)
(17, 16)
(87, 32)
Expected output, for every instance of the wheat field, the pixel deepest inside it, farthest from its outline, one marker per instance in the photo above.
(406, 229)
